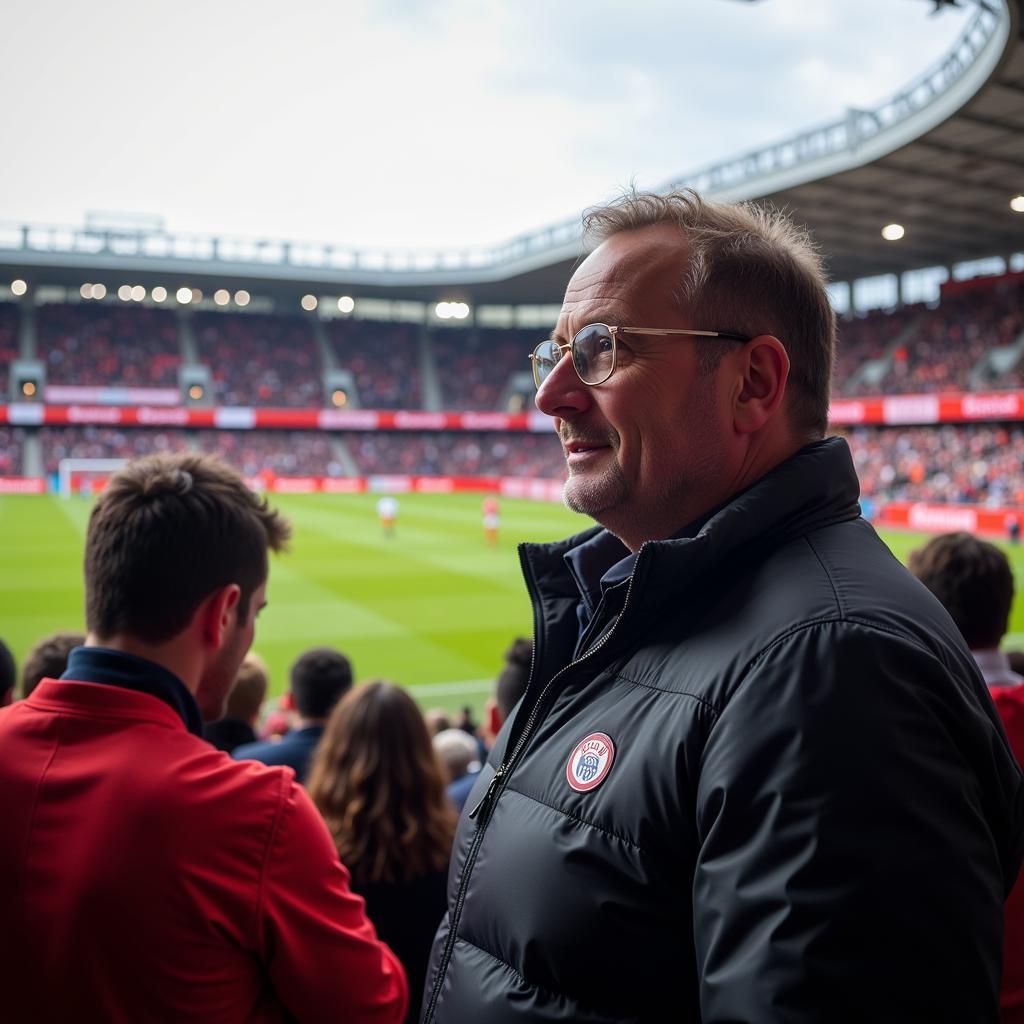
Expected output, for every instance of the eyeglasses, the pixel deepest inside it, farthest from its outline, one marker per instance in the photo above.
(594, 350)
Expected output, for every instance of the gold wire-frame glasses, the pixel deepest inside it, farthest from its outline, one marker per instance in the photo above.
(594, 350)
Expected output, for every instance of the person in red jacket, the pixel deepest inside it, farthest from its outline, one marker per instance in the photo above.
(144, 875)
(974, 581)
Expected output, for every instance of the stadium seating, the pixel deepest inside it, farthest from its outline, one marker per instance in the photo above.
(11, 441)
(8, 344)
(283, 453)
(474, 365)
(101, 345)
(105, 443)
(259, 359)
(384, 360)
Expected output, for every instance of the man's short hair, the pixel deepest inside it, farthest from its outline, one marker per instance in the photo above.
(8, 671)
(973, 581)
(751, 271)
(48, 659)
(167, 532)
(319, 678)
(249, 689)
(514, 676)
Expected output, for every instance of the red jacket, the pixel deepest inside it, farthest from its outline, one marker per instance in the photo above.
(145, 876)
(1009, 702)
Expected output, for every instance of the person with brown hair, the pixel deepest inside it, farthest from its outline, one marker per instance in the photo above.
(154, 876)
(48, 659)
(377, 783)
(752, 749)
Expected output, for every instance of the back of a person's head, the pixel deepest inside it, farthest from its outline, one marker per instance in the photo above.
(437, 720)
(8, 674)
(378, 785)
(168, 531)
(48, 659)
(973, 581)
(456, 750)
(514, 676)
(249, 689)
(319, 678)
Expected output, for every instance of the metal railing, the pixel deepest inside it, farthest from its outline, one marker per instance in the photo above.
(844, 135)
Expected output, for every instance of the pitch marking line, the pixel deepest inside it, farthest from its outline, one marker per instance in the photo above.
(445, 689)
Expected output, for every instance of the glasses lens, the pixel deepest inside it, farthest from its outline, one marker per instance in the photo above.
(593, 353)
(545, 355)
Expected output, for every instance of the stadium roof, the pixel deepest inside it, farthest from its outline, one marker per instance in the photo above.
(942, 158)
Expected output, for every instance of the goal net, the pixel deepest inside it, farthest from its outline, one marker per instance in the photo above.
(85, 476)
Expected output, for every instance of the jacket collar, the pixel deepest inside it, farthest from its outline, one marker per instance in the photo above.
(115, 668)
(815, 486)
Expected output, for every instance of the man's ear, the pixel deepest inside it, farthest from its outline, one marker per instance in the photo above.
(219, 612)
(492, 717)
(764, 365)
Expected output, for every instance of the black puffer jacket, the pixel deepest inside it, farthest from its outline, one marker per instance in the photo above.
(811, 812)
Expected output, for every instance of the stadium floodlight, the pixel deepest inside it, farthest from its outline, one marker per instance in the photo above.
(1017, 204)
(339, 398)
(86, 291)
(138, 293)
(124, 293)
(309, 303)
(99, 291)
(196, 392)
(443, 311)
(460, 310)
(222, 296)
(242, 298)
(19, 287)
(893, 232)
(159, 293)
(28, 388)
(346, 304)
(184, 296)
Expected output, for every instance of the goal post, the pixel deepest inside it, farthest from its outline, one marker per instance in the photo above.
(73, 473)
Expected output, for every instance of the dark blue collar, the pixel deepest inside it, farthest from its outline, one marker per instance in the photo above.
(115, 668)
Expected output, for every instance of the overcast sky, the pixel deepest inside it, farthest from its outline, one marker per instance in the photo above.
(415, 123)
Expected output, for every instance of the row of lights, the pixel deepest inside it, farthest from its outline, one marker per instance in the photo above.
(451, 310)
(310, 302)
(894, 232)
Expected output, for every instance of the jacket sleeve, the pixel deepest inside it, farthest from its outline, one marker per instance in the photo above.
(852, 816)
(323, 955)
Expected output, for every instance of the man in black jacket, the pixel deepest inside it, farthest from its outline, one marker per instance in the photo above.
(755, 775)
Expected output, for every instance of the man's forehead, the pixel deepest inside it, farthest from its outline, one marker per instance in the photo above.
(622, 276)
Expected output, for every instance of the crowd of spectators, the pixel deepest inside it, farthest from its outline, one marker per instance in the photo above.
(103, 345)
(93, 442)
(384, 360)
(260, 359)
(459, 454)
(280, 452)
(11, 442)
(474, 365)
(976, 464)
(8, 344)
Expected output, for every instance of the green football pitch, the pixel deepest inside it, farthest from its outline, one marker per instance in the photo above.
(432, 608)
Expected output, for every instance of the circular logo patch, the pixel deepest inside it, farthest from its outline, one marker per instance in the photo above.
(590, 762)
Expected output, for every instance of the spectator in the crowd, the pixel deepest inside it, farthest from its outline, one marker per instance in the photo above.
(318, 679)
(437, 720)
(757, 773)
(377, 783)
(510, 687)
(8, 675)
(974, 581)
(48, 659)
(242, 712)
(143, 875)
(459, 753)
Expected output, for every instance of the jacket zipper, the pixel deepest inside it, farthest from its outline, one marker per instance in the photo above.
(490, 797)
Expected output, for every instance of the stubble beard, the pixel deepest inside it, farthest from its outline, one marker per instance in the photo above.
(591, 495)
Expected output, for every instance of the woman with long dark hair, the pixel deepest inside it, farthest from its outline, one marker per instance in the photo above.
(377, 783)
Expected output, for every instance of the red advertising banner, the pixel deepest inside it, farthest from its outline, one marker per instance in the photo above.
(931, 518)
(22, 485)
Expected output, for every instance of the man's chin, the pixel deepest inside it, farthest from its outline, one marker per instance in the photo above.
(591, 497)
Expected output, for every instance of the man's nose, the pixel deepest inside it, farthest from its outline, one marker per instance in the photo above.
(563, 394)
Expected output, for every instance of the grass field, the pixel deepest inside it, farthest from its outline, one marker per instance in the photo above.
(433, 608)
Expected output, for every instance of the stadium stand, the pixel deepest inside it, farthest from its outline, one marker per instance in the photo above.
(283, 453)
(92, 442)
(101, 345)
(8, 343)
(260, 359)
(384, 359)
(474, 365)
(11, 441)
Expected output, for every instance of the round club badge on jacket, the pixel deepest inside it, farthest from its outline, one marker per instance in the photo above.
(590, 762)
